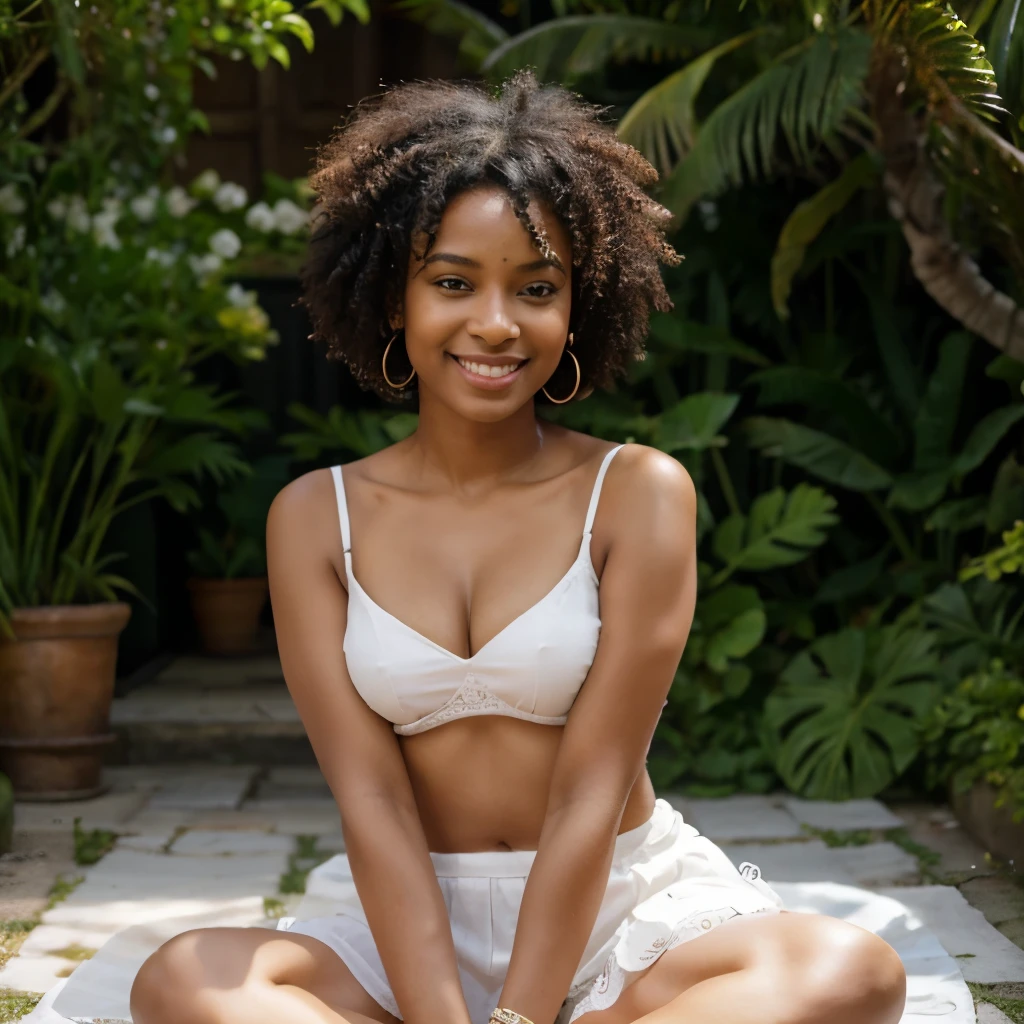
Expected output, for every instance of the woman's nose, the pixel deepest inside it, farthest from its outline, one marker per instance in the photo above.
(493, 324)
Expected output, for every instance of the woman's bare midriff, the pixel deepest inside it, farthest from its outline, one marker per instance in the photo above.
(482, 783)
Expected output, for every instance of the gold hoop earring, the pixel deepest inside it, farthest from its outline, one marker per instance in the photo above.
(562, 401)
(384, 367)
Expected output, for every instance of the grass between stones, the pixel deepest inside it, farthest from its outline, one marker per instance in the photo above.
(90, 846)
(300, 863)
(927, 859)
(1008, 997)
(14, 1005)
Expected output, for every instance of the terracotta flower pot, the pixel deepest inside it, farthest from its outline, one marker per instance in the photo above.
(227, 612)
(56, 685)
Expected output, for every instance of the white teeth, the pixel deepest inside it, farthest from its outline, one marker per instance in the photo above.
(488, 371)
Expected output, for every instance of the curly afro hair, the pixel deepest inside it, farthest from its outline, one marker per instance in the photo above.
(390, 170)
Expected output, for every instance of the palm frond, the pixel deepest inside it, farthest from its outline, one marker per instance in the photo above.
(662, 123)
(477, 34)
(805, 98)
(567, 48)
(944, 59)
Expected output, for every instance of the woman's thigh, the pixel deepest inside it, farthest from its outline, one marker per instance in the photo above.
(813, 964)
(207, 960)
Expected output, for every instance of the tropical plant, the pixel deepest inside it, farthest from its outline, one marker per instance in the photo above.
(344, 434)
(843, 722)
(234, 546)
(976, 734)
(856, 94)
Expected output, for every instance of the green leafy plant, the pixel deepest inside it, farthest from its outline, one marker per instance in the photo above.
(356, 433)
(235, 548)
(843, 721)
(1001, 561)
(977, 733)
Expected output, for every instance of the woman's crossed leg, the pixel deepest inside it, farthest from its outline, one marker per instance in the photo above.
(249, 976)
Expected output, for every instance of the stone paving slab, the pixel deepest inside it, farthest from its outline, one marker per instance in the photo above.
(223, 788)
(28, 871)
(212, 843)
(872, 865)
(49, 939)
(741, 817)
(842, 816)
(193, 672)
(33, 972)
(990, 956)
(989, 1014)
(876, 864)
(999, 898)
(811, 861)
(196, 710)
(107, 812)
(128, 887)
(311, 819)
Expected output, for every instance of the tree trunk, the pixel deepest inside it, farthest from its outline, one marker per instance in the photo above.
(915, 193)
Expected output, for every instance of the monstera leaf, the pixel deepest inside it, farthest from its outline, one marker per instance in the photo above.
(781, 529)
(842, 724)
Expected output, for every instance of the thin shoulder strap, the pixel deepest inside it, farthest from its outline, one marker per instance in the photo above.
(339, 493)
(598, 483)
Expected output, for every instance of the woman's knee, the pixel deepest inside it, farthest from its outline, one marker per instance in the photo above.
(171, 983)
(853, 977)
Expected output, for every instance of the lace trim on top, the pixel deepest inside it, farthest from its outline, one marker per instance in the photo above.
(470, 699)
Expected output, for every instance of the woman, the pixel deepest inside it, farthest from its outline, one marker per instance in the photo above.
(479, 625)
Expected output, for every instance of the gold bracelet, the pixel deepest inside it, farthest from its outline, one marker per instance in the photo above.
(503, 1016)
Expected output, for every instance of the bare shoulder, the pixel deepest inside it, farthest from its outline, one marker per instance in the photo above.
(645, 482)
(301, 504)
(303, 522)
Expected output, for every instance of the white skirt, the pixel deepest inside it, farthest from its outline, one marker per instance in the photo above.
(667, 884)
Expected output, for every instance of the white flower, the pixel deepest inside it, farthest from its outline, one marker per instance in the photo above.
(230, 196)
(289, 217)
(204, 266)
(144, 207)
(161, 256)
(152, 92)
(57, 208)
(260, 217)
(225, 243)
(10, 200)
(166, 135)
(53, 302)
(238, 296)
(103, 230)
(179, 203)
(206, 183)
(17, 241)
(111, 207)
(78, 215)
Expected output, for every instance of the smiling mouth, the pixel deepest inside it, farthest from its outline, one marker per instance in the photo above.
(486, 369)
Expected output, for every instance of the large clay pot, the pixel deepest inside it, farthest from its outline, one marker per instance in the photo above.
(56, 686)
(227, 613)
(992, 826)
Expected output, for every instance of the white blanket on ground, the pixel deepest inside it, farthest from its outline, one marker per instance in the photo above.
(98, 990)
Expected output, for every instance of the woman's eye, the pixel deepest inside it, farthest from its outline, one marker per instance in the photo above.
(449, 284)
(550, 290)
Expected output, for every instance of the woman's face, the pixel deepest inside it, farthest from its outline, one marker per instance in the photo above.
(486, 316)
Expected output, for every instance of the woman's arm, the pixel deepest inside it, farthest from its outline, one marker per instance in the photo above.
(647, 596)
(360, 758)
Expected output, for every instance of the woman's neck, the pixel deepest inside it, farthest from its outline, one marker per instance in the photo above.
(471, 456)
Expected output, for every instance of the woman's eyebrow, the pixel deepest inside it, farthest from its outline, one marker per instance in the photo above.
(465, 261)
